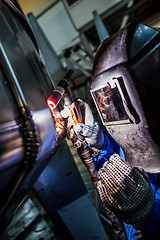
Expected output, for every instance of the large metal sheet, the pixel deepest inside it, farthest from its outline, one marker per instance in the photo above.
(23, 79)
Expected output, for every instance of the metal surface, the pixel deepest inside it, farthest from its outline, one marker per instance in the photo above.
(26, 139)
(29, 224)
(129, 62)
(62, 193)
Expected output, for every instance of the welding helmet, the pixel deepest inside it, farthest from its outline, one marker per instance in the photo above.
(125, 88)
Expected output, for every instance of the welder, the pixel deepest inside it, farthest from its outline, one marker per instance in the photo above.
(127, 192)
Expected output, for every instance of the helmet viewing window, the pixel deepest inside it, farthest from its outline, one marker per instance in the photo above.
(113, 103)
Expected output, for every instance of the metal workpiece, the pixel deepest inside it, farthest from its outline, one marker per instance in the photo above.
(27, 127)
(26, 124)
(125, 88)
(10, 140)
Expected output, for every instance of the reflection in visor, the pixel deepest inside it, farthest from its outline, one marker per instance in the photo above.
(110, 104)
(113, 103)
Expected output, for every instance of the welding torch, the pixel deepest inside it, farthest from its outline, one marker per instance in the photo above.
(58, 92)
(72, 112)
(71, 109)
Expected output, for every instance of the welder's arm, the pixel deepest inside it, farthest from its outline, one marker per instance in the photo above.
(90, 132)
(100, 149)
(123, 189)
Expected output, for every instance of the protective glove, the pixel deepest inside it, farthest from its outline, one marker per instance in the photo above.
(87, 136)
(90, 135)
(89, 129)
(124, 190)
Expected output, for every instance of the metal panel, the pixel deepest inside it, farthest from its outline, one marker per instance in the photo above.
(26, 139)
(81, 218)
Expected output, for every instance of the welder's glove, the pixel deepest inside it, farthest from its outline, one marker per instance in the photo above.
(89, 128)
(123, 189)
(89, 134)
